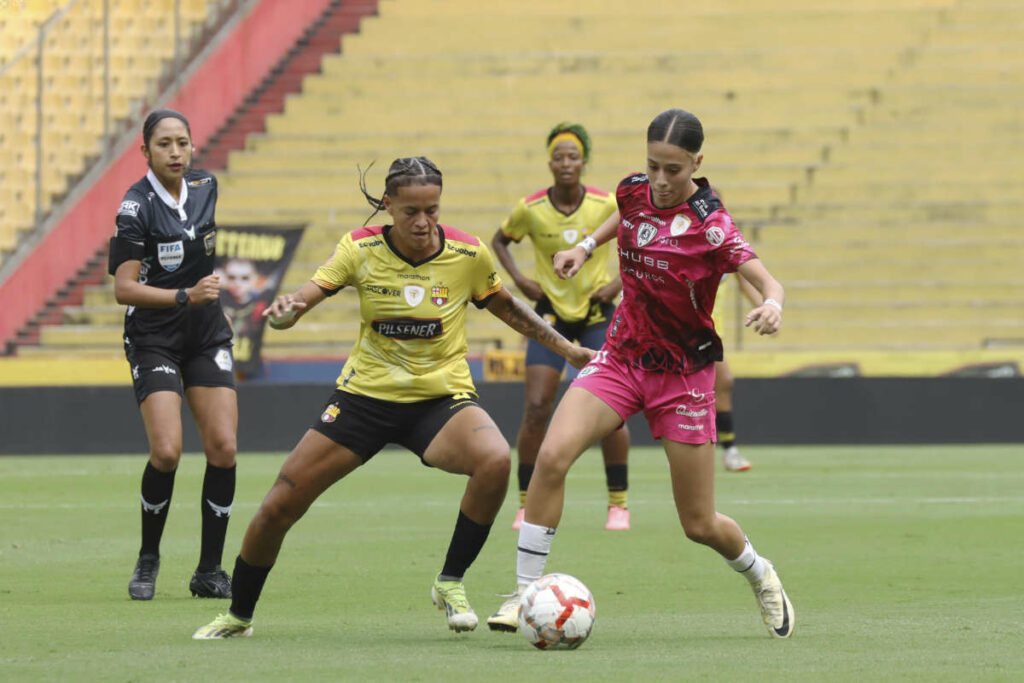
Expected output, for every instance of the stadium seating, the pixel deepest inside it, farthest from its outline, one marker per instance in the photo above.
(141, 45)
(872, 152)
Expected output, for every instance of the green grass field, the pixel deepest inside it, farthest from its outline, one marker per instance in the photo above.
(903, 563)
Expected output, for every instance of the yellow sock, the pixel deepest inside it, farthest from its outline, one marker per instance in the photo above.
(522, 499)
(618, 498)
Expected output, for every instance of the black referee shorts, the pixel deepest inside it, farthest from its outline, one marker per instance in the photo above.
(158, 369)
(365, 425)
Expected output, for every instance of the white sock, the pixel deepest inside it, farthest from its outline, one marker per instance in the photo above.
(749, 563)
(532, 552)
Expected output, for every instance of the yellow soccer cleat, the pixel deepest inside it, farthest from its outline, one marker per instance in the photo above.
(450, 596)
(224, 626)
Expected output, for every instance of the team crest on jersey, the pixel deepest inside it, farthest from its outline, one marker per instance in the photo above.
(645, 234)
(170, 255)
(331, 413)
(413, 294)
(680, 224)
(210, 243)
(715, 236)
(439, 295)
(571, 235)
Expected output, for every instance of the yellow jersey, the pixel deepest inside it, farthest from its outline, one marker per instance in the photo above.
(551, 231)
(412, 332)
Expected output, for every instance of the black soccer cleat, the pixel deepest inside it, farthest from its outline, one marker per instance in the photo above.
(211, 584)
(142, 585)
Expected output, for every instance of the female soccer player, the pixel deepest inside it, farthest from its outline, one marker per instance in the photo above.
(556, 218)
(406, 382)
(175, 334)
(675, 240)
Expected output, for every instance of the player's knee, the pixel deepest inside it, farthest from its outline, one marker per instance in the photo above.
(552, 463)
(221, 450)
(536, 413)
(496, 462)
(165, 454)
(277, 514)
(699, 530)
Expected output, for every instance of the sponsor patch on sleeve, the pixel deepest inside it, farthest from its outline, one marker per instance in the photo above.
(128, 208)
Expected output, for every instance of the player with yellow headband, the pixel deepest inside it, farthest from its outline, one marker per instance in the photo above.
(580, 308)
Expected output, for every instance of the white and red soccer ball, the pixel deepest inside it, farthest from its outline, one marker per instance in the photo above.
(557, 612)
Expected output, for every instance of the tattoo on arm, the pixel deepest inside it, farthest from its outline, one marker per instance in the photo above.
(284, 477)
(524, 320)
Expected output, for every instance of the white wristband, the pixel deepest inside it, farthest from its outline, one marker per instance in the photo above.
(772, 302)
(588, 243)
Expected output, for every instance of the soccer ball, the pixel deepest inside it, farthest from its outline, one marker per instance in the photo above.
(557, 612)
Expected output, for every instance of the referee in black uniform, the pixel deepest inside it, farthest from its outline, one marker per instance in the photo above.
(175, 336)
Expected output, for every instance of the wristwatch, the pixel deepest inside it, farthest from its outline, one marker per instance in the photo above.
(182, 298)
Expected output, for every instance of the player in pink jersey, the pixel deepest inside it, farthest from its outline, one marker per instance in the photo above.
(675, 240)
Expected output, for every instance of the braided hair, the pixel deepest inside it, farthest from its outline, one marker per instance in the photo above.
(679, 128)
(576, 129)
(403, 172)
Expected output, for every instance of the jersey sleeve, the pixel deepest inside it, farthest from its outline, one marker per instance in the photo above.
(517, 225)
(730, 249)
(130, 231)
(338, 271)
(485, 281)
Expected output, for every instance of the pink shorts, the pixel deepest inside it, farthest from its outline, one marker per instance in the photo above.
(677, 407)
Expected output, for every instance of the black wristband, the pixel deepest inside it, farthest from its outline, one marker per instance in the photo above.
(182, 298)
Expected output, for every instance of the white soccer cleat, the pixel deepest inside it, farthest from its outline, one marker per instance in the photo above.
(776, 609)
(507, 616)
(733, 461)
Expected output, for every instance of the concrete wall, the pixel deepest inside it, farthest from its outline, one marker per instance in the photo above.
(78, 420)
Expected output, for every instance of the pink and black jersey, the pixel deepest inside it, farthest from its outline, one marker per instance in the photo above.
(671, 262)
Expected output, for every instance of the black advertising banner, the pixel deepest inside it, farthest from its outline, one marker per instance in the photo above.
(251, 262)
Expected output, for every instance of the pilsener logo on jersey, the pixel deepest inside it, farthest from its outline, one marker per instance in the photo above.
(409, 328)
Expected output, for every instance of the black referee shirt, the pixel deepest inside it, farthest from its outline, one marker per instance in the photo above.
(176, 243)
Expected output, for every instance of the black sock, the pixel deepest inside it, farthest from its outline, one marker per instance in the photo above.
(246, 585)
(468, 539)
(218, 494)
(723, 424)
(617, 477)
(524, 473)
(157, 487)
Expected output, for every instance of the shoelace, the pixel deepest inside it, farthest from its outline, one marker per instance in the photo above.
(456, 597)
(147, 568)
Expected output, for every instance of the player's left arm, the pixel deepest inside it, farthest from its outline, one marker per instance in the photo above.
(766, 318)
(525, 321)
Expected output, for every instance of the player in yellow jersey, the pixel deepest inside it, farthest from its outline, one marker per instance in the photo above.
(406, 382)
(580, 308)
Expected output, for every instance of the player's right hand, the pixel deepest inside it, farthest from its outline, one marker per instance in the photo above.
(206, 290)
(283, 311)
(567, 263)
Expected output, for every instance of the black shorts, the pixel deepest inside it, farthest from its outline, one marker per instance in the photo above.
(160, 369)
(365, 425)
(589, 332)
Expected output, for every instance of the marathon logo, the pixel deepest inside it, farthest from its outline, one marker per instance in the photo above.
(409, 328)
